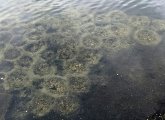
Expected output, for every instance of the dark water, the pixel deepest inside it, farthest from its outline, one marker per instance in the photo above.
(82, 60)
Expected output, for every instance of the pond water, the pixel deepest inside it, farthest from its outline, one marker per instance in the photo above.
(82, 60)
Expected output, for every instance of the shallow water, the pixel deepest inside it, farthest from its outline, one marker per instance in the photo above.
(82, 60)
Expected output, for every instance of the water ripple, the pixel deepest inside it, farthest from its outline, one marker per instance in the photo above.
(23, 9)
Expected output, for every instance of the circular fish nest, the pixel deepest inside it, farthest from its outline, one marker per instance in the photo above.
(17, 41)
(25, 61)
(101, 32)
(41, 104)
(101, 20)
(34, 35)
(119, 30)
(5, 36)
(118, 16)
(87, 27)
(33, 47)
(147, 37)
(54, 86)
(113, 45)
(139, 21)
(18, 79)
(158, 25)
(91, 41)
(6, 66)
(42, 68)
(78, 83)
(67, 51)
(18, 30)
(12, 53)
(48, 54)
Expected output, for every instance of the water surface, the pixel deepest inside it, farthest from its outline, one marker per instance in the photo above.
(82, 60)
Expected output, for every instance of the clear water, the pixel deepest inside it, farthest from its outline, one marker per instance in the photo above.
(82, 60)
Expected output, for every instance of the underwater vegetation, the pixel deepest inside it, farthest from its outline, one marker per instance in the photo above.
(33, 47)
(67, 105)
(75, 67)
(110, 42)
(54, 56)
(88, 56)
